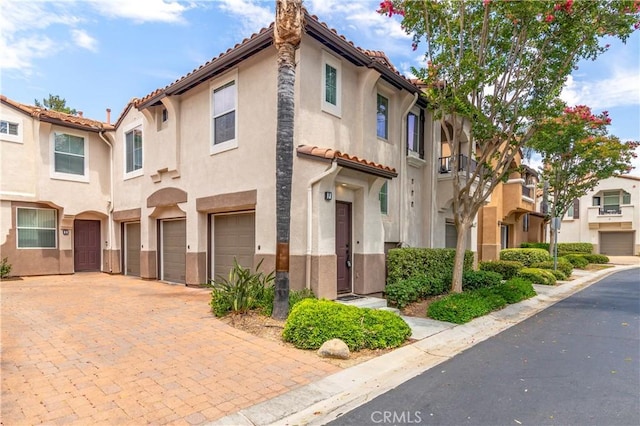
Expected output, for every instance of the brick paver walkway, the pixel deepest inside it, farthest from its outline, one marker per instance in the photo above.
(98, 349)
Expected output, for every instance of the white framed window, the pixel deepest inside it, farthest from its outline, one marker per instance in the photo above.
(382, 117)
(69, 156)
(11, 129)
(384, 198)
(570, 211)
(331, 85)
(224, 119)
(133, 150)
(37, 228)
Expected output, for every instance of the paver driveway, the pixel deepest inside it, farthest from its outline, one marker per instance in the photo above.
(93, 348)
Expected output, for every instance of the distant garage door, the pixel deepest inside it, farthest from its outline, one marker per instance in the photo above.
(132, 247)
(174, 248)
(616, 243)
(233, 236)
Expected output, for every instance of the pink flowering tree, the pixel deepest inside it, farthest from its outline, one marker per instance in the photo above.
(492, 70)
(577, 152)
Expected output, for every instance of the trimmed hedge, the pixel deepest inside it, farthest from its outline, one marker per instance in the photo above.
(563, 248)
(404, 263)
(538, 276)
(526, 256)
(312, 322)
(544, 246)
(563, 265)
(560, 276)
(507, 268)
(577, 260)
(472, 280)
(596, 258)
(413, 289)
(459, 308)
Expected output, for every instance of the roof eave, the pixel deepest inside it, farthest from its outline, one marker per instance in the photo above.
(388, 174)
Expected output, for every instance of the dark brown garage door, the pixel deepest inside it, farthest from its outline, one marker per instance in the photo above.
(86, 245)
(132, 247)
(233, 236)
(616, 243)
(174, 248)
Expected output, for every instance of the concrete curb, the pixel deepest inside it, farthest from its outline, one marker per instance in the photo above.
(325, 400)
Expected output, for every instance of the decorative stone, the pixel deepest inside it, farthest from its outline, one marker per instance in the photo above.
(334, 348)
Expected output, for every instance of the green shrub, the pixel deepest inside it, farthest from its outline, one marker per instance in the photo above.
(265, 304)
(563, 265)
(5, 268)
(312, 322)
(493, 299)
(544, 246)
(507, 268)
(560, 276)
(515, 290)
(596, 258)
(538, 276)
(403, 263)
(459, 308)
(241, 291)
(403, 292)
(567, 248)
(472, 280)
(526, 256)
(577, 260)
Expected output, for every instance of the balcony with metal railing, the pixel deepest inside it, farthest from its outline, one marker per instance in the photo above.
(611, 214)
(464, 164)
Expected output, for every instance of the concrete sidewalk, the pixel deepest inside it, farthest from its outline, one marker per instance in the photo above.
(324, 400)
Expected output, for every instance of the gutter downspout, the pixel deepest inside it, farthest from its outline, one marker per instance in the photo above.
(330, 170)
(403, 177)
(110, 231)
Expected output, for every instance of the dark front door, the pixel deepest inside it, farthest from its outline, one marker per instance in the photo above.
(343, 245)
(86, 245)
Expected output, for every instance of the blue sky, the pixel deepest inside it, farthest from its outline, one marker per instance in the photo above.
(99, 54)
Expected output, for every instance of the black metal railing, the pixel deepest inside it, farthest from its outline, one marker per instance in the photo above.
(609, 210)
(464, 163)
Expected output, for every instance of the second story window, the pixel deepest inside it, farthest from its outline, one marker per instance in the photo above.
(331, 85)
(224, 117)
(165, 115)
(133, 150)
(382, 114)
(69, 154)
(8, 128)
(413, 133)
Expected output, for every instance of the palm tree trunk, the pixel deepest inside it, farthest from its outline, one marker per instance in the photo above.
(287, 35)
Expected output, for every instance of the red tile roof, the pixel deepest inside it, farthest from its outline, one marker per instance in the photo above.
(57, 117)
(346, 160)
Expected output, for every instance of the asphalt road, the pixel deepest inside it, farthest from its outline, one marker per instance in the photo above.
(575, 363)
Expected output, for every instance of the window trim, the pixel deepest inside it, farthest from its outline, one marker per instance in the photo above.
(386, 116)
(328, 107)
(383, 197)
(217, 84)
(128, 129)
(7, 137)
(52, 152)
(55, 229)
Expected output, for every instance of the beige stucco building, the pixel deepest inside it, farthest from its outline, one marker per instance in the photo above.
(184, 180)
(607, 217)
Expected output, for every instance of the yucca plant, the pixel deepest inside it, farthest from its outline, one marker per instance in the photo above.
(240, 291)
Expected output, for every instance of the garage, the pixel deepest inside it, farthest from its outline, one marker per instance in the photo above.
(233, 236)
(174, 248)
(616, 243)
(132, 249)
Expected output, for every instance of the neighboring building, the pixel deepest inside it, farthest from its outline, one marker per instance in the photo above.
(510, 217)
(193, 169)
(607, 217)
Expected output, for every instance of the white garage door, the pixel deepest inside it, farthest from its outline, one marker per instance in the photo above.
(616, 243)
(233, 236)
(132, 248)
(174, 248)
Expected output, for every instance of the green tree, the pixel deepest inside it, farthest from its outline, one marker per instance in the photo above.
(55, 103)
(577, 152)
(492, 70)
(287, 35)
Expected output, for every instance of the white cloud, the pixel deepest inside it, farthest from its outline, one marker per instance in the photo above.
(620, 88)
(83, 39)
(141, 11)
(251, 13)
